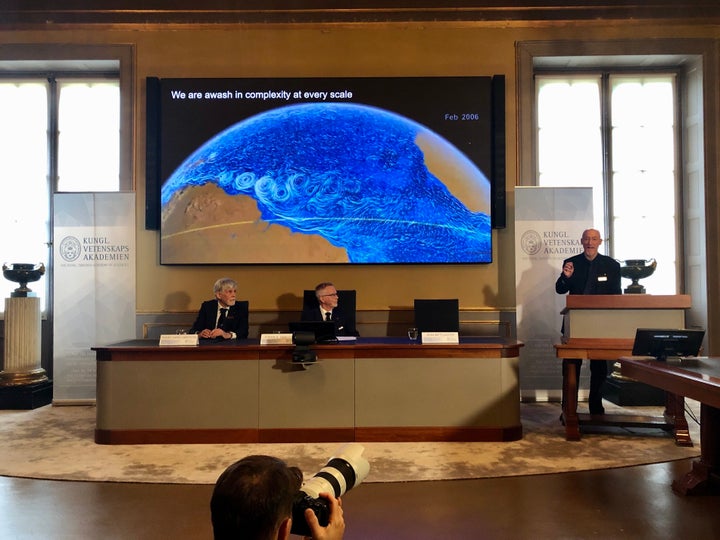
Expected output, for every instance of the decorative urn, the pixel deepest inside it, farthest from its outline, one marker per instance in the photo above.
(635, 270)
(23, 274)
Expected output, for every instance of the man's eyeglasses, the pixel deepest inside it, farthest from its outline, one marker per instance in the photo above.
(331, 294)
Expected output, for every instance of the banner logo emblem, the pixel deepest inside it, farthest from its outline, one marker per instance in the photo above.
(70, 248)
(531, 242)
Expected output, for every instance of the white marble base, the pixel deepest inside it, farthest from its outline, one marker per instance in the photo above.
(22, 342)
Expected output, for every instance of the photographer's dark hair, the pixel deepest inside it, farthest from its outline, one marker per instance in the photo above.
(252, 497)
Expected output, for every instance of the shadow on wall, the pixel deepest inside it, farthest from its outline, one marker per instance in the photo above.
(491, 297)
(177, 301)
(289, 309)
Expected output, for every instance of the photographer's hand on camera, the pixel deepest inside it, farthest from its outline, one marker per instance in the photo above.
(336, 523)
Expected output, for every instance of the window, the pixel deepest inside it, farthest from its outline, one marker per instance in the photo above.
(36, 159)
(88, 135)
(616, 133)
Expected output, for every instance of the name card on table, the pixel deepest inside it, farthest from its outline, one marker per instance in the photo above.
(276, 339)
(179, 340)
(440, 338)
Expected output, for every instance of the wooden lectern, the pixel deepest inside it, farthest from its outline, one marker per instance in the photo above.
(602, 327)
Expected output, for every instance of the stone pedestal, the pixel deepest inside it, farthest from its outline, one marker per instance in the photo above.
(22, 351)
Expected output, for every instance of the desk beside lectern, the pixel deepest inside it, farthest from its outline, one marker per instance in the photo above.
(374, 389)
(602, 328)
(698, 380)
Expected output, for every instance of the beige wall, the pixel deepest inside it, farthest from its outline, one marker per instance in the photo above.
(335, 50)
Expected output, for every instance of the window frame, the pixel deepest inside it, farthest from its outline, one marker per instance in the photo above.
(67, 60)
(604, 74)
(700, 58)
(52, 81)
(64, 58)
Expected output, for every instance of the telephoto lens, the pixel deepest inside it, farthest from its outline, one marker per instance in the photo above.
(342, 472)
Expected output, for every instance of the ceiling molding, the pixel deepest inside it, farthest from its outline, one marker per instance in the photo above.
(16, 13)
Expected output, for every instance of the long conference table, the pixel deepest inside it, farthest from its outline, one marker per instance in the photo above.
(372, 389)
(698, 380)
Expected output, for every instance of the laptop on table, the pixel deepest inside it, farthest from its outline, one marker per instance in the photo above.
(324, 331)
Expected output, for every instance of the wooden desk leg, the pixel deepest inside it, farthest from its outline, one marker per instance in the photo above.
(675, 415)
(570, 416)
(705, 474)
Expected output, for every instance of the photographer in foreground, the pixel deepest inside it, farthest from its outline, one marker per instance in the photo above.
(253, 500)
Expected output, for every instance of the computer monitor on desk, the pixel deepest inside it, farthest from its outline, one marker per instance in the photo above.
(323, 331)
(667, 343)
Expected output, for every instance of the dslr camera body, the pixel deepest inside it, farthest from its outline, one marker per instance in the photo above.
(342, 472)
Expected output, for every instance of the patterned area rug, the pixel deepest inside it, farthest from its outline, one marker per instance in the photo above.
(57, 443)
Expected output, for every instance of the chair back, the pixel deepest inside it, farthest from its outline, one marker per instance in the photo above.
(243, 307)
(437, 315)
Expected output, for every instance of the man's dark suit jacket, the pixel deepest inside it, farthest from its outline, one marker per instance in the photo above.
(344, 325)
(603, 275)
(236, 319)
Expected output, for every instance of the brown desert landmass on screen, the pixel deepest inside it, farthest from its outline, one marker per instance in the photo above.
(205, 225)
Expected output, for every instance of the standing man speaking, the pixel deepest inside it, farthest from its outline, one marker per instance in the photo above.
(590, 273)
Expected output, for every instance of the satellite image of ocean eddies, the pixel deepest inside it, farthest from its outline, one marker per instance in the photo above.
(353, 174)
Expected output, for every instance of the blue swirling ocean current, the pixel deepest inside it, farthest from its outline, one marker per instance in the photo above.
(350, 173)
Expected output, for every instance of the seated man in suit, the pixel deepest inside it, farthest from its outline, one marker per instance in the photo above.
(222, 317)
(327, 309)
